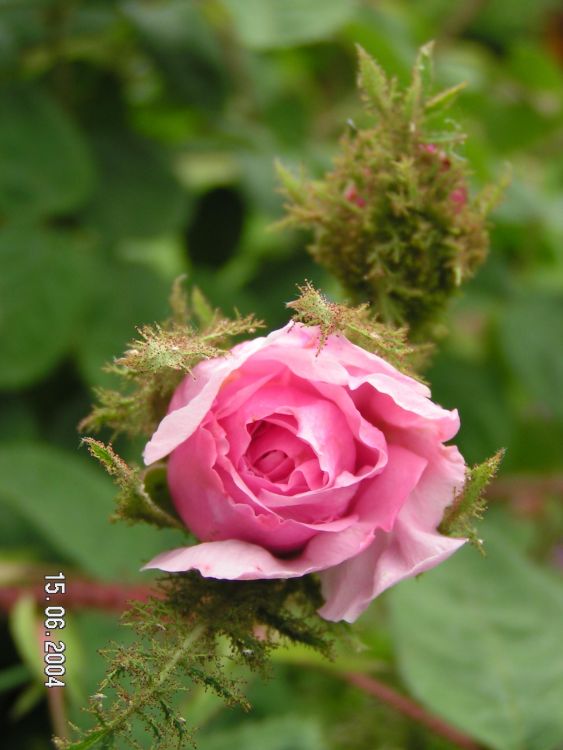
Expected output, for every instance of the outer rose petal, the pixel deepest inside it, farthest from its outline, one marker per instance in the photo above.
(231, 560)
(195, 395)
(412, 547)
(339, 363)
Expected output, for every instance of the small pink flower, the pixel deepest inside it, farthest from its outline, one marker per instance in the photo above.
(351, 194)
(459, 197)
(284, 461)
(430, 148)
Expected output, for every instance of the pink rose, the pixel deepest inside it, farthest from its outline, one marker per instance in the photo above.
(284, 461)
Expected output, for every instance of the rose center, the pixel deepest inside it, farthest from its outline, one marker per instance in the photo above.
(274, 464)
(275, 452)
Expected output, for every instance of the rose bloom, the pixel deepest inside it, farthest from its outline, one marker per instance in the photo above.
(284, 461)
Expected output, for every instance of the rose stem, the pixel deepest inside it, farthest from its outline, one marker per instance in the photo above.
(409, 708)
(114, 597)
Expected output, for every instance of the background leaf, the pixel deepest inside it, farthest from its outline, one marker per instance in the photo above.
(478, 642)
(70, 502)
(42, 293)
(46, 165)
(291, 732)
(531, 332)
(266, 24)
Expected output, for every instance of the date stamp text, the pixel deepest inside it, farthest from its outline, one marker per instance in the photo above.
(54, 649)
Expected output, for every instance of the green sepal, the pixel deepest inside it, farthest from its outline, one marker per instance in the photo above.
(134, 502)
(360, 326)
(154, 364)
(470, 504)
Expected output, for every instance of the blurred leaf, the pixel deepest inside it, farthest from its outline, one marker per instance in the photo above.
(126, 296)
(18, 420)
(487, 421)
(536, 447)
(479, 642)
(13, 677)
(284, 733)
(184, 48)
(531, 332)
(266, 24)
(42, 290)
(26, 625)
(172, 24)
(501, 21)
(26, 631)
(344, 661)
(70, 502)
(46, 167)
(537, 69)
(138, 195)
(27, 700)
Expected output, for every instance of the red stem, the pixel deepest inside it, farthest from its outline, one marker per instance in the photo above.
(80, 594)
(409, 708)
(111, 597)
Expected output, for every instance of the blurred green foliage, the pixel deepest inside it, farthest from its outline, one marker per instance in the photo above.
(137, 141)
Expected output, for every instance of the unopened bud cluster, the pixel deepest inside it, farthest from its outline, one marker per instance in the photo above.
(394, 220)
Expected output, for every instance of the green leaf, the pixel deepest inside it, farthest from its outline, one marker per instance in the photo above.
(46, 166)
(487, 422)
(344, 660)
(479, 642)
(373, 83)
(278, 733)
(531, 332)
(267, 24)
(24, 627)
(13, 677)
(126, 296)
(70, 502)
(444, 99)
(470, 503)
(202, 311)
(27, 700)
(138, 195)
(42, 292)
(422, 78)
(184, 49)
(134, 502)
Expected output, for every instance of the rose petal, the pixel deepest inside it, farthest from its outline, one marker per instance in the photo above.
(412, 547)
(216, 506)
(322, 551)
(233, 559)
(319, 422)
(385, 401)
(195, 395)
(342, 363)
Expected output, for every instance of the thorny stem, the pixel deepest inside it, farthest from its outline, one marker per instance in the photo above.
(144, 695)
(111, 597)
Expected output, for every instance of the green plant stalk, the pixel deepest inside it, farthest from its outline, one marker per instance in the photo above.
(144, 696)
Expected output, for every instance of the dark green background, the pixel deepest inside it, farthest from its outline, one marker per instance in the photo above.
(137, 142)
